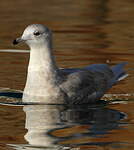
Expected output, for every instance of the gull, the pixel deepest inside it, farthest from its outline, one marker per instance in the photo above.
(49, 84)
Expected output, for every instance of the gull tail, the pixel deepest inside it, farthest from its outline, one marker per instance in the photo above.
(119, 71)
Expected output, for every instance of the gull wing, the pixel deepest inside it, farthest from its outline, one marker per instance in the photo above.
(85, 86)
(88, 84)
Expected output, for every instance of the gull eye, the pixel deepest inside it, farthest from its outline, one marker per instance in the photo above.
(36, 33)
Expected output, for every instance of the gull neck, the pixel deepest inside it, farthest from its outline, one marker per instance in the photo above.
(41, 58)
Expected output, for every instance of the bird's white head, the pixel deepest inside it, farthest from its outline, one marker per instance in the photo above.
(35, 35)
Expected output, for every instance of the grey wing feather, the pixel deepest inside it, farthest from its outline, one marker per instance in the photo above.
(85, 86)
(93, 67)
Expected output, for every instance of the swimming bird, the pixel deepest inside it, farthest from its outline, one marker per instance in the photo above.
(49, 84)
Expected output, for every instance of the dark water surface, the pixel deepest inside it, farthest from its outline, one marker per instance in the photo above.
(85, 32)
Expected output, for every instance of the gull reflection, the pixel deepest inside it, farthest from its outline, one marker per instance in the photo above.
(62, 127)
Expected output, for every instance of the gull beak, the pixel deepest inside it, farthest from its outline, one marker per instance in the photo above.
(17, 41)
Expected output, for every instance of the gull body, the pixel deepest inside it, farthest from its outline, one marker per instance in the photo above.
(49, 84)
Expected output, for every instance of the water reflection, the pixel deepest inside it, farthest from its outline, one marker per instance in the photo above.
(59, 126)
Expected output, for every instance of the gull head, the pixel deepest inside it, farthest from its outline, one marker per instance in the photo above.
(35, 35)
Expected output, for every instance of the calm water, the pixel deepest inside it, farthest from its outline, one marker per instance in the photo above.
(85, 32)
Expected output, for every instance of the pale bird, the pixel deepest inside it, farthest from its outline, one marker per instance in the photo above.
(49, 84)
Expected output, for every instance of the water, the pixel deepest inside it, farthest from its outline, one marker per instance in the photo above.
(85, 32)
(60, 127)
